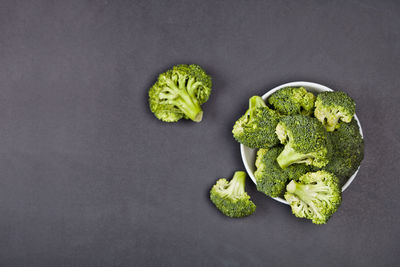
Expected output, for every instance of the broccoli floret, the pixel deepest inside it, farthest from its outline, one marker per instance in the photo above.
(256, 128)
(231, 198)
(305, 141)
(292, 100)
(333, 107)
(179, 92)
(315, 196)
(347, 152)
(270, 177)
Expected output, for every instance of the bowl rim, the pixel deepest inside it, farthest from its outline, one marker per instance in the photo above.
(264, 97)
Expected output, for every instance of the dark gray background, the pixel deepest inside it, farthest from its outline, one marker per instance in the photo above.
(89, 177)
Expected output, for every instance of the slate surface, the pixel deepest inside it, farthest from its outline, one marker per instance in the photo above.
(89, 177)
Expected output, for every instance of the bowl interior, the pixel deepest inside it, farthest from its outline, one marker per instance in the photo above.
(249, 154)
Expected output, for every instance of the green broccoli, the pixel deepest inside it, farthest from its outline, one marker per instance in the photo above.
(292, 100)
(179, 92)
(272, 179)
(347, 152)
(330, 107)
(256, 128)
(305, 141)
(315, 196)
(231, 198)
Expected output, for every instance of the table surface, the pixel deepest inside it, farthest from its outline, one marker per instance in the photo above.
(89, 177)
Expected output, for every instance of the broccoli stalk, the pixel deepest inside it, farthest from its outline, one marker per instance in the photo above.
(176, 93)
(315, 196)
(231, 198)
(255, 102)
(307, 192)
(236, 185)
(251, 114)
(289, 156)
(305, 141)
(179, 92)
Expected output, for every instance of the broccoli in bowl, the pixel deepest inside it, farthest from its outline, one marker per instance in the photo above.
(344, 170)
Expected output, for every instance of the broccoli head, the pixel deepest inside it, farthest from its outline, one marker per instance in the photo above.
(179, 92)
(256, 128)
(333, 107)
(292, 100)
(305, 141)
(270, 177)
(231, 198)
(348, 151)
(315, 196)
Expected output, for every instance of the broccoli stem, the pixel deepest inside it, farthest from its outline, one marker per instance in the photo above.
(237, 184)
(180, 97)
(291, 187)
(254, 103)
(190, 107)
(192, 86)
(308, 192)
(289, 156)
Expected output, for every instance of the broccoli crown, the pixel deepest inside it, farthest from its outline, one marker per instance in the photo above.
(231, 198)
(292, 100)
(348, 151)
(270, 177)
(305, 141)
(333, 107)
(256, 128)
(179, 92)
(315, 196)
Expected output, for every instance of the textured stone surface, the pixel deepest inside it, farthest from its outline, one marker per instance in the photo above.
(89, 177)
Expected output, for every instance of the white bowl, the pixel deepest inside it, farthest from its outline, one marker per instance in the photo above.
(249, 154)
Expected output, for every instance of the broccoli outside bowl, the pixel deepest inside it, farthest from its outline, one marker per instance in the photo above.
(249, 154)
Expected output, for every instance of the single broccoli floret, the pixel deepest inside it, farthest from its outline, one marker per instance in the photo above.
(179, 92)
(270, 177)
(305, 141)
(231, 198)
(315, 196)
(256, 128)
(347, 152)
(333, 107)
(292, 100)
